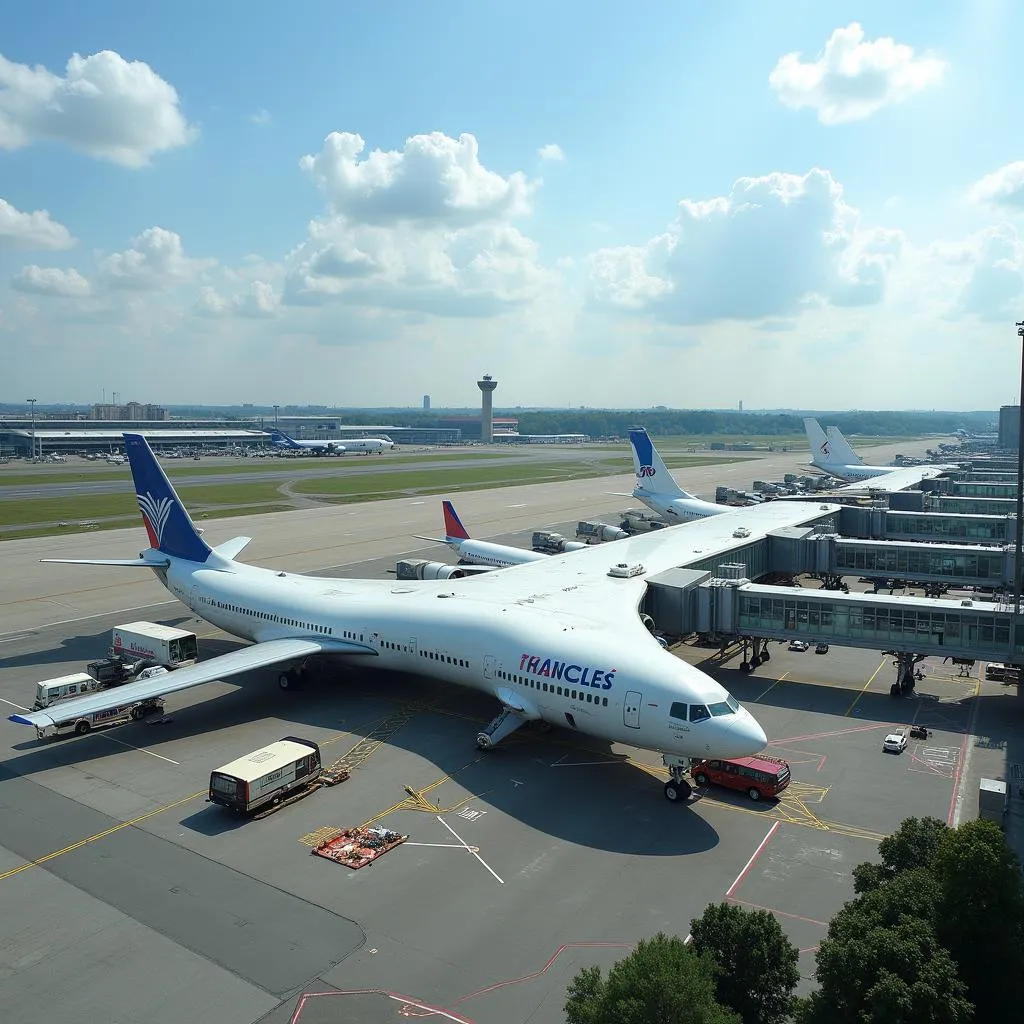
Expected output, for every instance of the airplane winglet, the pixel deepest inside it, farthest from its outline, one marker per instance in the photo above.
(20, 719)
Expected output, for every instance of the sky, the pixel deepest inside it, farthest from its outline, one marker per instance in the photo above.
(679, 204)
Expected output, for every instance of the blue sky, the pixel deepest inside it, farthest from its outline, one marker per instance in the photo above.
(359, 280)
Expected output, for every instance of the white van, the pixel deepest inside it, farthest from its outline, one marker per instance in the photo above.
(50, 691)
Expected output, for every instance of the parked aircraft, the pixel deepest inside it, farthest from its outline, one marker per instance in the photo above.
(657, 488)
(482, 552)
(318, 447)
(362, 445)
(557, 640)
(832, 454)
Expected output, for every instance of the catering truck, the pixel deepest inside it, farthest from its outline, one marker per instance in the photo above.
(157, 644)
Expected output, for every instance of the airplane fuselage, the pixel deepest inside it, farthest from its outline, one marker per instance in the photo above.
(618, 686)
(498, 556)
(852, 473)
(678, 510)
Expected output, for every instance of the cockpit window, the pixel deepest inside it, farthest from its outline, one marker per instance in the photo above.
(678, 710)
(698, 713)
(717, 710)
(732, 702)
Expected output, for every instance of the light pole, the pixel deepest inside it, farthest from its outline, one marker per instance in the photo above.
(1019, 543)
(32, 406)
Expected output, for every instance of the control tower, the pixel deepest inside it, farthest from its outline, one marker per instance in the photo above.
(487, 386)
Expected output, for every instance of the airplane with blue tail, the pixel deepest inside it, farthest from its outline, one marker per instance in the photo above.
(656, 487)
(362, 445)
(557, 640)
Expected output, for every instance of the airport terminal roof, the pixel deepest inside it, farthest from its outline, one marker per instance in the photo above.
(156, 434)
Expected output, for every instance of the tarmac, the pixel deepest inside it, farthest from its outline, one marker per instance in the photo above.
(128, 897)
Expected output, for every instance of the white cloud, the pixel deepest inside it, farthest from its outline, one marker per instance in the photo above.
(769, 248)
(428, 228)
(434, 179)
(259, 300)
(261, 117)
(552, 151)
(104, 105)
(33, 231)
(994, 289)
(156, 260)
(854, 79)
(51, 281)
(1004, 187)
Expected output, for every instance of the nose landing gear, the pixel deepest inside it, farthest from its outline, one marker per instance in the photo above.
(677, 789)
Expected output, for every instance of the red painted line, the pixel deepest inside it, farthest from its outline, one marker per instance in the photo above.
(827, 735)
(543, 970)
(821, 763)
(957, 772)
(753, 857)
(429, 1011)
(781, 913)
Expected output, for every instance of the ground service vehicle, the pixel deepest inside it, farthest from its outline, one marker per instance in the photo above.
(821, 648)
(895, 742)
(160, 645)
(81, 724)
(1001, 673)
(759, 776)
(50, 691)
(599, 532)
(266, 775)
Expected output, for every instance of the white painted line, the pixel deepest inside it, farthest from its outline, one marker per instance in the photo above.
(141, 750)
(469, 848)
(757, 853)
(444, 846)
(523, 505)
(98, 615)
(13, 705)
(14, 636)
(417, 503)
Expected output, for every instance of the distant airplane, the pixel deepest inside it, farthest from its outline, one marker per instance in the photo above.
(319, 447)
(657, 488)
(482, 552)
(557, 640)
(832, 454)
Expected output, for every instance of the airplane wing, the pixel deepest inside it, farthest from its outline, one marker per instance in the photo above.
(260, 655)
(898, 478)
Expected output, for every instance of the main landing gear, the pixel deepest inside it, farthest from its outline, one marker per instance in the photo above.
(293, 678)
(677, 789)
(504, 724)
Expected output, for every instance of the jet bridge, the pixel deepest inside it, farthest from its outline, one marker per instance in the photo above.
(926, 527)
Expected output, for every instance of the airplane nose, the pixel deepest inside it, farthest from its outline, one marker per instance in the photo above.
(744, 735)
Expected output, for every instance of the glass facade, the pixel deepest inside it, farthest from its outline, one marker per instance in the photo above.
(919, 629)
(903, 525)
(977, 489)
(922, 560)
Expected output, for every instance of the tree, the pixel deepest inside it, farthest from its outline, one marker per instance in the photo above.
(663, 981)
(757, 964)
(895, 975)
(980, 917)
(910, 894)
(913, 845)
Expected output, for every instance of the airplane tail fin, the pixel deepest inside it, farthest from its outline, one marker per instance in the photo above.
(821, 450)
(453, 528)
(170, 528)
(841, 450)
(651, 472)
(277, 437)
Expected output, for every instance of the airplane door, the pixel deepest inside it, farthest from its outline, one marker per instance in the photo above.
(631, 709)
(413, 650)
(488, 666)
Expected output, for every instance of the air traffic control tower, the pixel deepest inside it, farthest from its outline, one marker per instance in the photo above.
(487, 386)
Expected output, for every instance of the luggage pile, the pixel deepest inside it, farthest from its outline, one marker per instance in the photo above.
(356, 847)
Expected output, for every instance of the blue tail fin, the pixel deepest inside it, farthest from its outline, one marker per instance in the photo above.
(169, 526)
(282, 439)
(651, 472)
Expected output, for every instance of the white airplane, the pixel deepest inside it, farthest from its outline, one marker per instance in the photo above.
(366, 445)
(833, 455)
(557, 640)
(657, 488)
(483, 552)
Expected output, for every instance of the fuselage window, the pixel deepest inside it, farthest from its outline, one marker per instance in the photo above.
(559, 691)
(604, 702)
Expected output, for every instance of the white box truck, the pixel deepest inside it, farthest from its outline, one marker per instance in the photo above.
(159, 645)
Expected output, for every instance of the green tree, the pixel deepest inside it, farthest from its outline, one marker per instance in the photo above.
(913, 845)
(910, 894)
(980, 917)
(892, 975)
(758, 965)
(663, 981)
